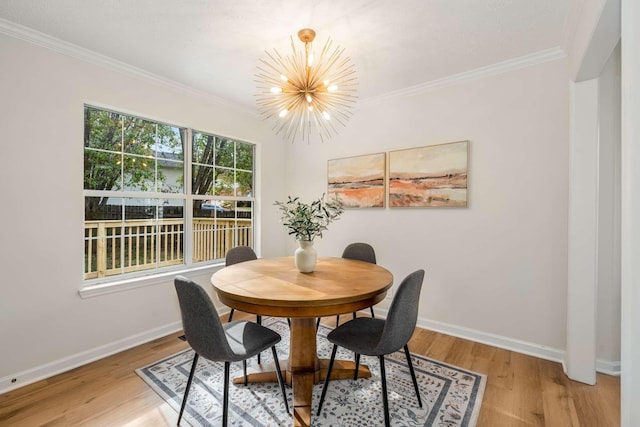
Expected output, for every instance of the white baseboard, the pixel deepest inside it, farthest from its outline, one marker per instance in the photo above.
(603, 366)
(531, 349)
(494, 340)
(608, 367)
(21, 379)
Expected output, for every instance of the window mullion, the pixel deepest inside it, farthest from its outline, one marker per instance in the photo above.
(187, 149)
(235, 193)
(122, 200)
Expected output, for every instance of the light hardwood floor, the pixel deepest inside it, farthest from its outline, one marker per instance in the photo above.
(521, 390)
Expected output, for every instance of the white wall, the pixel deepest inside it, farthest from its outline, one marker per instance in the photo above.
(497, 270)
(608, 305)
(44, 325)
(630, 222)
(591, 311)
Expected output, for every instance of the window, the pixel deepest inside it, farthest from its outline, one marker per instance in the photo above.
(139, 178)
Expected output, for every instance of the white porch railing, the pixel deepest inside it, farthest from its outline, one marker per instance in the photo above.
(139, 246)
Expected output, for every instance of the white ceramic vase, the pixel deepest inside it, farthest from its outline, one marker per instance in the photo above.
(305, 256)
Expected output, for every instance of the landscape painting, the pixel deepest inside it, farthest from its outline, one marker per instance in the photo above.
(432, 176)
(359, 182)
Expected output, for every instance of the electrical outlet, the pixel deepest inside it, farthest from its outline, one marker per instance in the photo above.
(9, 383)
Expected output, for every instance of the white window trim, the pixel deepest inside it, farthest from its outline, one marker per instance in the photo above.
(104, 286)
(127, 284)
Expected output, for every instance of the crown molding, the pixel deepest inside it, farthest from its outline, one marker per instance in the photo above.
(46, 41)
(478, 73)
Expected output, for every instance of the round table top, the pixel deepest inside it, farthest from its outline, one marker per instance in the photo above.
(274, 286)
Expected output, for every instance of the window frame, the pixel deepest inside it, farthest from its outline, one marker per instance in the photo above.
(156, 275)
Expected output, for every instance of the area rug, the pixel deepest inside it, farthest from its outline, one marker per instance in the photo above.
(451, 396)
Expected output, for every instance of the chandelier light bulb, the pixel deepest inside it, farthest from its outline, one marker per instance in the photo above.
(299, 104)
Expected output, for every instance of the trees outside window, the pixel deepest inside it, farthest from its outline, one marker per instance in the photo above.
(139, 181)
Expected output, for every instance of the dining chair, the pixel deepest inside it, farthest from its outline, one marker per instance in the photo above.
(378, 337)
(234, 256)
(359, 252)
(215, 341)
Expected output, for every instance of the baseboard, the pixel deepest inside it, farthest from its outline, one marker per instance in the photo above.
(531, 349)
(30, 376)
(494, 340)
(608, 367)
(21, 379)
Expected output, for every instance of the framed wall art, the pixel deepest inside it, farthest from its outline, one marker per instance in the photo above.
(359, 182)
(431, 176)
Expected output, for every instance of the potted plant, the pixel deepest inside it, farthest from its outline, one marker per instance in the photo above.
(306, 221)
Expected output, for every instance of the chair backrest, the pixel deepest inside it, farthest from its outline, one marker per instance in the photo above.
(200, 321)
(402, 315)
(360, 252)
(240, 254)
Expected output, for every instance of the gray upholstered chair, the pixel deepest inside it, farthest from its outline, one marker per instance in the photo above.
(359, 252)
(377, 337)
(234, 256)
(213, 340)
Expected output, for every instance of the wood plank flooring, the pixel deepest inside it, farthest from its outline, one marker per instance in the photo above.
(521, 390)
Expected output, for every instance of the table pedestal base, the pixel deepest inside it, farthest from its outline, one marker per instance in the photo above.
(266, 373)
(303, 382)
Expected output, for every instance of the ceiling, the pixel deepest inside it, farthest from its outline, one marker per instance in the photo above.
(213, 46)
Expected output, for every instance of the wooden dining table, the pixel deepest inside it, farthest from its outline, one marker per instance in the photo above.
(275, 287)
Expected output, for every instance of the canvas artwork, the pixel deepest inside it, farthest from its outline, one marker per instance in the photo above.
(432, 176)
(359, 182)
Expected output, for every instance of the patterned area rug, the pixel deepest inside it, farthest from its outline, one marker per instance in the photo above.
(451, 396)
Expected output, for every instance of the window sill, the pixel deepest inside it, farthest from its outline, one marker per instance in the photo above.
(98, 289)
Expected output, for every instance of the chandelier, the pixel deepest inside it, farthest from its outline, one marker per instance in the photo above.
(304, 94)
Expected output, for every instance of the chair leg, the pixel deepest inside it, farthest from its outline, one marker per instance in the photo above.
(244, 368)
(259, 322)
(225, 399)
(186, 391)
(354, 315)
(337, 320)
(355, 375)
(280, 380)
(317, 324)
(413, 374)
(384, 392)
(230, 315)
(326, 378)
(373, 315)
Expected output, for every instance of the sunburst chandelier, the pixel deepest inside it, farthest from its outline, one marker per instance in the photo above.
(304, 94)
